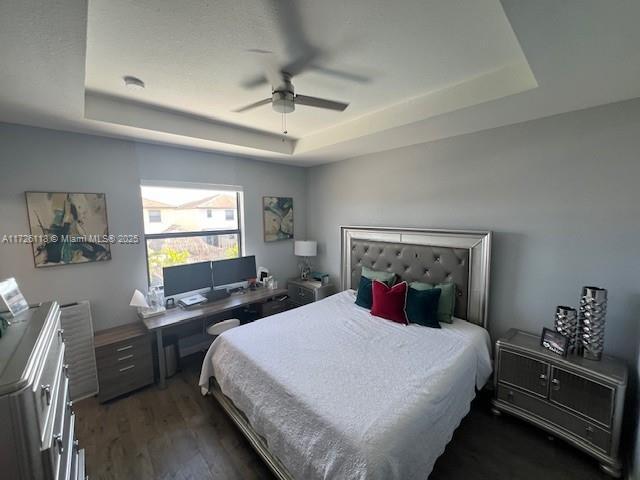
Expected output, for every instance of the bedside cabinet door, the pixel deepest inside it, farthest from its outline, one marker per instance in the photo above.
(583, 396)
(523, 372)
(300, 295)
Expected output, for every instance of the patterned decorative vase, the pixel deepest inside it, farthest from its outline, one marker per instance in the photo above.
(566, 323)
(593, 310)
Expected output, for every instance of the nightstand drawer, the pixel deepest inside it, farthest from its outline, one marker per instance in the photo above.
(301, 295)
(583, 429)
(523, 372)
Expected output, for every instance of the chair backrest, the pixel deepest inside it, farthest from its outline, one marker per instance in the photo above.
(220, 327)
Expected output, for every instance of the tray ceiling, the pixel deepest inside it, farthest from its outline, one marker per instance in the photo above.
(412, 71)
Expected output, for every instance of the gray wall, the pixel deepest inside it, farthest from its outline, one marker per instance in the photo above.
(47, 160)
(561, 194)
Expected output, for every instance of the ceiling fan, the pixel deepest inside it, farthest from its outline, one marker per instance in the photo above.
(283, 98)
(303, 56)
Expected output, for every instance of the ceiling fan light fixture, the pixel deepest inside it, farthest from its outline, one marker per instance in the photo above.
(283, 102)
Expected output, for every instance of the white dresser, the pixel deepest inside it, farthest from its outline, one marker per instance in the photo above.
(37, 439)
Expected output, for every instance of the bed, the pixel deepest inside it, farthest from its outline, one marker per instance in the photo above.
(329, 391)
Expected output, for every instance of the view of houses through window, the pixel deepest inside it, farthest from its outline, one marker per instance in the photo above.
(188, 225)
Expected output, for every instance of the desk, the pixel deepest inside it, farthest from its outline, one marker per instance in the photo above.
(179, 315)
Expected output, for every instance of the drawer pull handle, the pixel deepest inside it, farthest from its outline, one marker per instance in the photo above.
(57, 439)
(122, 349)
(46, 391)
(556, 384)
(65, 369)
(588, 432)
(61, 334)
(70, 406)
(126, 357)
(76, 445)
(128, 367)
(543, 379)
(510, 394)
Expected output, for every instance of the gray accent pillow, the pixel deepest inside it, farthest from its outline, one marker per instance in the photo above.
(447, 302)
(387, 277)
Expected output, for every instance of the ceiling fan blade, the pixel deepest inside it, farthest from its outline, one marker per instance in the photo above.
(353, 77)
(253, 105)
(272, 73)
(255, 82)
(320, 103)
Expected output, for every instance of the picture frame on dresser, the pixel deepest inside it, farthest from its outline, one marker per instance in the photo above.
(554, 342)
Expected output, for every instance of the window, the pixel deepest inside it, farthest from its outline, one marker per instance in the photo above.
(177, 231)
(155, 216)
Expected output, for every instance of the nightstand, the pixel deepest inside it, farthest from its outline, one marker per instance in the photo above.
(302, 292)
(578, 400)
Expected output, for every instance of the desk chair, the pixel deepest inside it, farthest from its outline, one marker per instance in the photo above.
(220, 327)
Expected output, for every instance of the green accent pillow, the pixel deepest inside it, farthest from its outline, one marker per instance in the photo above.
(422, 307)
(387, 277)
(447, 302)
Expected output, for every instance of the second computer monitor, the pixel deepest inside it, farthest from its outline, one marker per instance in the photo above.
(233, 271)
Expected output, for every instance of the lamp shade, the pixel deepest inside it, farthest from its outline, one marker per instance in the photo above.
(138, 300)
(306, 248)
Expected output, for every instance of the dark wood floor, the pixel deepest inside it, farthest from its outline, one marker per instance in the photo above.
(178, 434)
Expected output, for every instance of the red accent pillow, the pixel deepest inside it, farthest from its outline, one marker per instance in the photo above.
(390, 302)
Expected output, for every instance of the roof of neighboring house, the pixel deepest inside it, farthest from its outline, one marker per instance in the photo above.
(214, 201)
(148, 203)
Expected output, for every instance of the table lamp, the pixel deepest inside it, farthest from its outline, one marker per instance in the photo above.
(139, 301)
(305, 249)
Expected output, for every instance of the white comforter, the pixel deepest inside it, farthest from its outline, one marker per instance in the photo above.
(340, 394)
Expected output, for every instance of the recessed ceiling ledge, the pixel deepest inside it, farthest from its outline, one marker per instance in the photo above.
(508, 80)
(112, 109)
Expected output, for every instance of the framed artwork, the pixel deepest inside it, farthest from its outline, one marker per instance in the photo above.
(68, 228)
(278, 218)
(554, 341)
(12, 297)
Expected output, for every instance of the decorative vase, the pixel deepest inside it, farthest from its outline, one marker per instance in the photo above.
(566, 324)
(593, 310)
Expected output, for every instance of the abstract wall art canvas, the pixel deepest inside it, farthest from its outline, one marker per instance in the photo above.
(68, 228)
(278, 218)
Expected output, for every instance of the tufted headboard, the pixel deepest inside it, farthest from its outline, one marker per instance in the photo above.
(431, 256)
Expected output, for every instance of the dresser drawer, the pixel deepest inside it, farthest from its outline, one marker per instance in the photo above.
(123, 348)
(46, 385)
(523, 372)
(584, 430)
(78, 469)
(124, 377)
(57, 449)
(300, 295)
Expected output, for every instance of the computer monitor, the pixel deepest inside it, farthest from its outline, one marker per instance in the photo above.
(186, 278)
(233, 271)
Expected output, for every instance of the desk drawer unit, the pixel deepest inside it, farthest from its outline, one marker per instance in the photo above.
(275, 306)
(124, 360)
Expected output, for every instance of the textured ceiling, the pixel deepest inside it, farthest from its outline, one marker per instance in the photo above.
(194, 55)
(436, 68)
